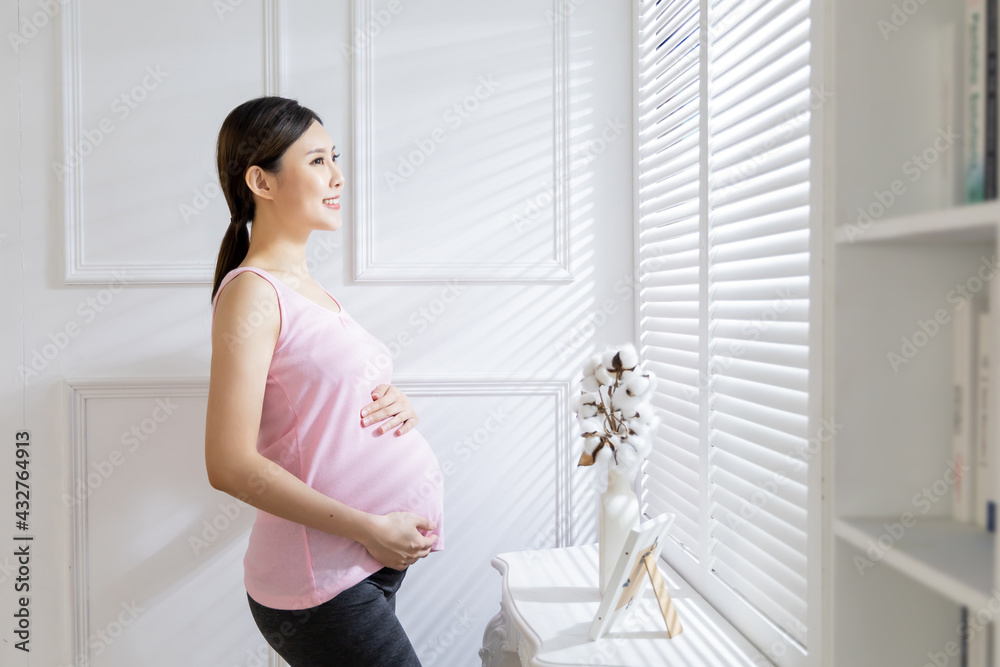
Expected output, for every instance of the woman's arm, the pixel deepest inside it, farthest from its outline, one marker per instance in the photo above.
(241, 358)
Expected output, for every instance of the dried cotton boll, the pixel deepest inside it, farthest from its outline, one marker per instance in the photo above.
(627, 404)
(641, 444)
(603, 376)
(608, 359)
(603, 456)
(591, 363)
(644, 412)
(628, 356)
(637, 385)
(588, 410)
(627, 458)
(618, 393)
(590, 383)
(590, 425)
(591, 442)
(639, 427)
(624, 377)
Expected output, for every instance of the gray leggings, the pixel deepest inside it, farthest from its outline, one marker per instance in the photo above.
(356, 628)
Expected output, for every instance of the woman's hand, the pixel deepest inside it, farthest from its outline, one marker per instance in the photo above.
(389, 401)
(395, 539)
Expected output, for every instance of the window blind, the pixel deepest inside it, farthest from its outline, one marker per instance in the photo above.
(669, 256)
(724, 315)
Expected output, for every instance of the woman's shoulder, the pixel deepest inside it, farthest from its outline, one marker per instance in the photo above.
(248, 296)
(246, 282)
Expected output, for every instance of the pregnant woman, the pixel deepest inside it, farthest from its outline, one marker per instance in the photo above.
(301, 424)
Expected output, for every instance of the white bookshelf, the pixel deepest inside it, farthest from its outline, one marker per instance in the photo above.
(897, 435)
(954, 559)
(898, 259)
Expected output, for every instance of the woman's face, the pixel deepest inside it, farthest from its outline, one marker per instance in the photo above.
(310, 182)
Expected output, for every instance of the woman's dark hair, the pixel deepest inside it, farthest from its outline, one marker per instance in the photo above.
(257, 132)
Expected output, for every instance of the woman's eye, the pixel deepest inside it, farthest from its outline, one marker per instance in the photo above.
(335, 156)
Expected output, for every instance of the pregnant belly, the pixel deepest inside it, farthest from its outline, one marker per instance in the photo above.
(396, 473)
(421, 484)
(380, 474)
(417, 482)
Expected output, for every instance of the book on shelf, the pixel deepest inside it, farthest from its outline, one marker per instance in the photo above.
(972, 495)
(985, 505)
(951, 88)
(980, 130)
(990, 119)
(965, 330)
(975, 99)
(979, 642)
(976, 640)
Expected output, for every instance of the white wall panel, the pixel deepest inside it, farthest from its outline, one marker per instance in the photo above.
(144, 89)
(461, 135)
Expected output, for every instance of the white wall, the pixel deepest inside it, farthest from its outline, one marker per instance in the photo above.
(114, 282)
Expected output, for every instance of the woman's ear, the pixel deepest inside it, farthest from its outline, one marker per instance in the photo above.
(259, 182)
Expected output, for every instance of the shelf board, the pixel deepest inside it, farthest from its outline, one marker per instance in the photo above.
(960, 224)
(954, 559)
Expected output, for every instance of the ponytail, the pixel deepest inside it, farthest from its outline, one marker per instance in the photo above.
(235, 245)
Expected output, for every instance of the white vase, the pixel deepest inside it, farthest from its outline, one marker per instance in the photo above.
(618, 513)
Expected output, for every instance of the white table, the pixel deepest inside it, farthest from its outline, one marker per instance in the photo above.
(549, 598)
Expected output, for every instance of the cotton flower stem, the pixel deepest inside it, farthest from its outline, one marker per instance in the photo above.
(611, 424)
(609, 417)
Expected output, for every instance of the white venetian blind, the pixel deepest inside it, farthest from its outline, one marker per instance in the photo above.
(669, 174)
(731, 457)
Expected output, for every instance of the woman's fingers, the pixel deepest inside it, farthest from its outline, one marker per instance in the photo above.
(384, 428)
(409, 425)
(382, 396)
(392, 402)
(385, 406)
(406, 418)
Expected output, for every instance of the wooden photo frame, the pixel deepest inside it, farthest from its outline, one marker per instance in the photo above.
(637, 563)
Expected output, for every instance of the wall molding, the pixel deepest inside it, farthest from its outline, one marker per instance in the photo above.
(78, 391)
(554, 269)
(274, 47)
(77, 270)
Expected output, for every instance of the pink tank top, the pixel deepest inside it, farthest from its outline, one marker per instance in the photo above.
(323, 370)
